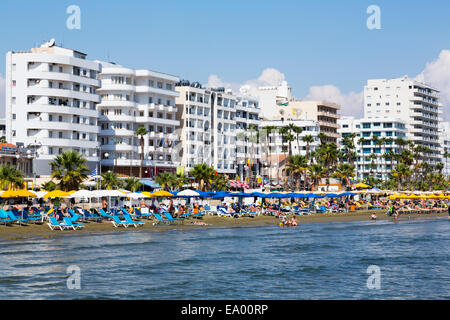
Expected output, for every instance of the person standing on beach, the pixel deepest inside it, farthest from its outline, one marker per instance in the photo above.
(105, 205)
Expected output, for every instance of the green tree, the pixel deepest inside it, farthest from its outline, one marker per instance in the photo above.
(298, 166)
(110, 181)
(141, 132)
(132, 184)
(203, 175)
(70, 170)
(10, 177)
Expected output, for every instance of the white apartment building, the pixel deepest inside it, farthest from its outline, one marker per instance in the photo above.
(51, 98)
(445, 146)
(366, 129)
(248, 142)
(415, 103)
(208, 126)
(131, 99)
(271, 98)
(275, 151)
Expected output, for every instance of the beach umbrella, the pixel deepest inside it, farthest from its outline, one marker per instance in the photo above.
(188, 194)
(108, 193)
(162, 193)
(18, 194)
(362, 186)
(41, 194)
(331, 195)
(56, 194)
(296, 195)
(82, 194)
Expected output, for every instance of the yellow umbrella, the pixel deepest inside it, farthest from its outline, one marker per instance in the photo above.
(56, 194)
(161, 193)
(362, 185)
(26, 194)
(148, 194)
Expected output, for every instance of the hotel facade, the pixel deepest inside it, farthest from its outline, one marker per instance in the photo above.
(215, 126)
(51, 103)
(416, 103)
(131, 99)
(370, 156)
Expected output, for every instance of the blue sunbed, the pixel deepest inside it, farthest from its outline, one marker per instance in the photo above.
(54, 224)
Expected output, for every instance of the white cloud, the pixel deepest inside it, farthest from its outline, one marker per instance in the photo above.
(351, 103)
(2, 96)
(269, 77)
(437, 74)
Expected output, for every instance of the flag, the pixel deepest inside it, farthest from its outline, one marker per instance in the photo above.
(94, 172)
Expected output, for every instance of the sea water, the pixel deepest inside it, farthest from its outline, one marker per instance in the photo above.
(313, 261)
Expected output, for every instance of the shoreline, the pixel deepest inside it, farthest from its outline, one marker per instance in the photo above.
(15, 232)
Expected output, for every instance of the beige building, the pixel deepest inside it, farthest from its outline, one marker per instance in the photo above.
(323, 112)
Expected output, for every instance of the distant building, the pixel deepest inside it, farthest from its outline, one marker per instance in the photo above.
(387, 128)
(18, 158)
(416, 103)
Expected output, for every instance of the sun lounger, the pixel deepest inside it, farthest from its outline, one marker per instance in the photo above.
(221, 212)
(160, 219)
(143, 213)
(32, 218)
(125, 212)
(132, 222)
(54, 224)
(4, 218)
(172, 219)
(15, 219)
(71, 224)
(90, 216)
(103, 214)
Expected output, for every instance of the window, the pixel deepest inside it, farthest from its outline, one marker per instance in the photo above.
(160, 85)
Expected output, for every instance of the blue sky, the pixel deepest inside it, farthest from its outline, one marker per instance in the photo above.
(313, 43)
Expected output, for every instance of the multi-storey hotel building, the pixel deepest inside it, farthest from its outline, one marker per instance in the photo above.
(131, 99)
(208, 126)
(51, 98)
(417, 104)
(248, 140)
(375, 140)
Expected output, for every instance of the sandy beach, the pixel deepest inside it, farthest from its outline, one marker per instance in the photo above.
(42, 231)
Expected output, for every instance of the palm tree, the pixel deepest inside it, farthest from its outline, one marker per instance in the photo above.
(316, 172)
(345, 172)
(269, 130)
(308, 139)
(49, 186)
(10, 177)
(110, 181)
(322, 137)
(70, 170)
(132, 184)
(165, 180)
(141, 132)
(203, 175)
(220, 182)
(298, 165)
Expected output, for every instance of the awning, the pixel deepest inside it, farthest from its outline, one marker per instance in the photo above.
(149, 183)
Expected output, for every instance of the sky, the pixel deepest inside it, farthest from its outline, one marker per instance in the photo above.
(322, 48)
